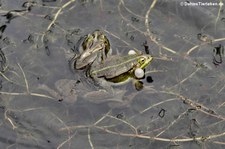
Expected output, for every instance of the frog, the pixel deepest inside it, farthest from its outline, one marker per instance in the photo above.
(70, 91)
(118, 70)
(93, 47)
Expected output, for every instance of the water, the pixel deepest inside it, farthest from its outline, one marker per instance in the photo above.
(43, 102)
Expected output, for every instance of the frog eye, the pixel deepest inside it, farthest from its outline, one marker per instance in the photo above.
(142, 60)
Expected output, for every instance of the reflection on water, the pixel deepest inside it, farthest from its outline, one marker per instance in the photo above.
(44, 104)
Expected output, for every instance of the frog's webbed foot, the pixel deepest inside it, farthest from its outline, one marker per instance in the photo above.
(101, 96)
(138, 85)
(64, 90)
(104, 85)
(104, 92)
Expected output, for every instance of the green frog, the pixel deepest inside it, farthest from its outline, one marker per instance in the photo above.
(95, 46)
(118, 69)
